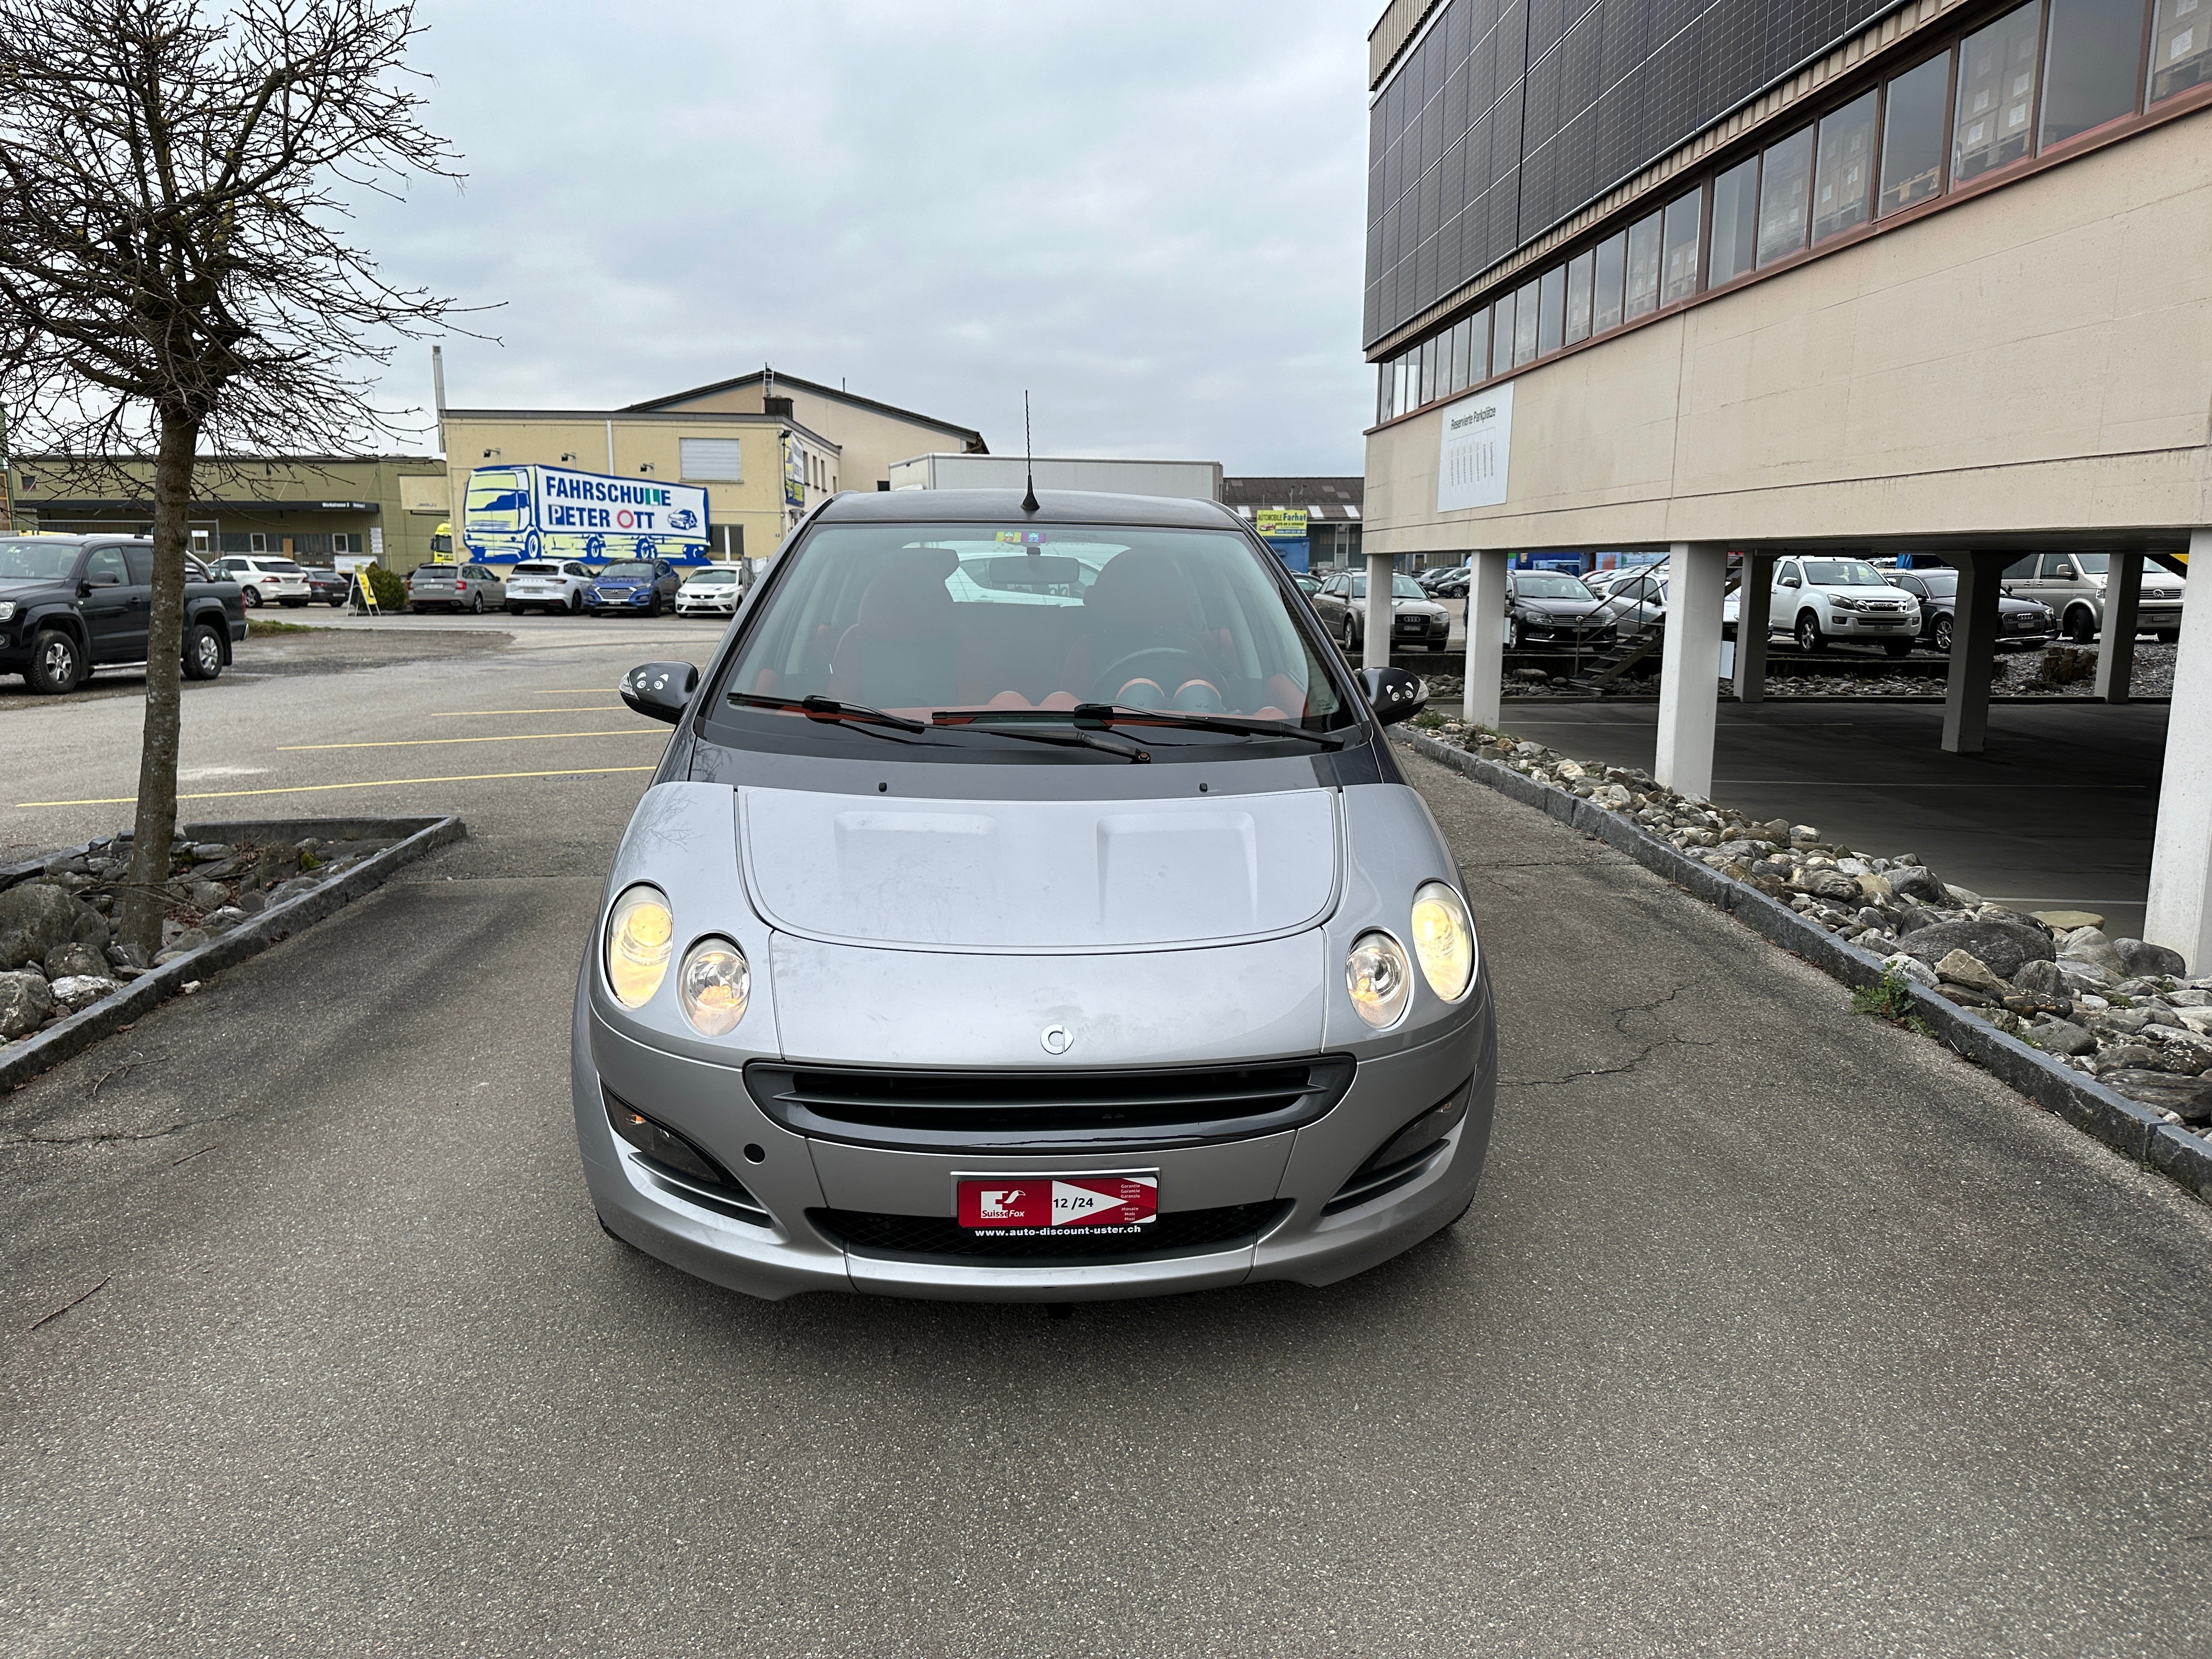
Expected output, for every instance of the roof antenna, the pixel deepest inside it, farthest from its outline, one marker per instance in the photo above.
(1029, 456)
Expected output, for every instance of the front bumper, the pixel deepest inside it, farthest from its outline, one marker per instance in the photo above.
(795, 1178)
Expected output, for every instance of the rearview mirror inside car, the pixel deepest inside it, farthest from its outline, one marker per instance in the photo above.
(1394, 694)
(660, 690)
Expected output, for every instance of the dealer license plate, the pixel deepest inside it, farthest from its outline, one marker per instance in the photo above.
(1021, 1206)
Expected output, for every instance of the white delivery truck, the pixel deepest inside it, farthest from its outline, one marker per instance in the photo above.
(513, 512)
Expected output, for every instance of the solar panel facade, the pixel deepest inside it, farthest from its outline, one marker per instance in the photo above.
(1510, 115)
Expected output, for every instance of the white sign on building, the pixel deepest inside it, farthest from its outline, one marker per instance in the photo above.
(1476, 451)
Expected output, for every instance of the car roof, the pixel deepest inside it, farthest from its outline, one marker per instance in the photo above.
(1054, 507)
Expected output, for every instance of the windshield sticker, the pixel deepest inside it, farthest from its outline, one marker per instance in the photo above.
(1022, 538)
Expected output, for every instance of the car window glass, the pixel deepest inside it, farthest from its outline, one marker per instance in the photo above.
(1550, 585)
(1842, 572)
(105, 566)
(2091, 564)
(141, 561)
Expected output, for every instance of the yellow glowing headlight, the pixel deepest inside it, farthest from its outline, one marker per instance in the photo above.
(1379, 978)
(714, 986)
(641, 933)
(1444, 939)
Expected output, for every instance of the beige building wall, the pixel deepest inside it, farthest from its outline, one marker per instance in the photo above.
(2033, 361)
(870, 440)
(641, 445)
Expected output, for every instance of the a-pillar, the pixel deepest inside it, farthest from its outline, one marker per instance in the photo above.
(2179, 913)
(1485, 636)
(1754, 605)
(1690, 671)
(1973, 650)
(1375, 652)
(2116, 651)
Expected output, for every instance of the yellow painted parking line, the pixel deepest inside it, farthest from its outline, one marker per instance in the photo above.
(594, 709)
(377, 783)
(507, 737)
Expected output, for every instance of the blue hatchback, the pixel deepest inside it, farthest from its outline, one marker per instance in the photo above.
(637, 586)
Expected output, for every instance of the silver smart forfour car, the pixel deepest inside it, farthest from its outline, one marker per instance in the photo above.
(1028, 907)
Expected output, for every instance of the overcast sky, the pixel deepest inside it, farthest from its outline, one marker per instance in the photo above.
(1148, 213)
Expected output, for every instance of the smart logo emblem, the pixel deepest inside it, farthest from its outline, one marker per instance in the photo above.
(1057, 1039)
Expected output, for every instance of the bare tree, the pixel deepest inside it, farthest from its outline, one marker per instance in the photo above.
(175, 273)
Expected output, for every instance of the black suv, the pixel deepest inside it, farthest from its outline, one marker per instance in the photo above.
(71, 603)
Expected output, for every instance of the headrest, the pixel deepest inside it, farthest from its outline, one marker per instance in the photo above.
(1139, 585)
(908, 600)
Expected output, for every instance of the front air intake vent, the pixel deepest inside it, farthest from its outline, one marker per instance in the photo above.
(940, 1238)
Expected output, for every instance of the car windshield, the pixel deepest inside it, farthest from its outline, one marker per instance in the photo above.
(635, 569)
(1401, 588)
(711, 578)
(1548, 584)
(1940, 584)
(914, 619)
(35, 560)
(2091, 564)
(1843, 573)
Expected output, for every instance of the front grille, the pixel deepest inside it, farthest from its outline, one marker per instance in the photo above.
(1025, 1111)
(929, 1238)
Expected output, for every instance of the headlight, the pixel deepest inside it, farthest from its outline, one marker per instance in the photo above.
(1843, 603)
(714, 986)
(7, 610)
(1379, 977)
(1443, 939)
(639, 930)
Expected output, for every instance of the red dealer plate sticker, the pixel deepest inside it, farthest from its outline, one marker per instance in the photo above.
(1022, 1205)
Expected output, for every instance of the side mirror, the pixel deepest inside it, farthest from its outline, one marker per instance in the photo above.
(660, 690)
(1394, 694)
(2065, 571)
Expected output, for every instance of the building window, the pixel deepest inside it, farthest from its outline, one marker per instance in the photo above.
(1913, 134)
(1524, 325)
(1785, 183)
(1843, 172)
(1501, 337)
(1456, 371)
(1643, 268)
(1579, 270)
(727, 540)
(1997, 91)
(2181, 47)
(1736, 219)
(1551, 309)
(342, 542)
(1679, 279)
(1605, 292)
(257, 541)
(1429, 384)
(712, 460)
(2088, 67)
(1382, 411)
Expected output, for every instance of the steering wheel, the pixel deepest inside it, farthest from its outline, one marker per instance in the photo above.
(1172, 660)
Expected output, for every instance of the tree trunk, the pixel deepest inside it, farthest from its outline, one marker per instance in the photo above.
(139, 911)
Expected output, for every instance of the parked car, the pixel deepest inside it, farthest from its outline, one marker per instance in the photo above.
(1549, 609)
(1415, 619)
(263, 580)
(548, 584)
(2020, 621)
(473, 587)
(1816, 600)
(634, 587)
(2073, 585)
(1449, 582)
(329, 587)
(71, 604)
(1308, 583)
(1037, 1023)
(713, 591)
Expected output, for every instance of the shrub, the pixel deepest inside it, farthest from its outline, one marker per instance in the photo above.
(391, 591)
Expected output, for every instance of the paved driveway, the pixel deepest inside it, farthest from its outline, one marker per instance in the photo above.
(1773, 1330)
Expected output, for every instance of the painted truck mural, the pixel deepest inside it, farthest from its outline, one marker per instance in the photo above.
(514, 512)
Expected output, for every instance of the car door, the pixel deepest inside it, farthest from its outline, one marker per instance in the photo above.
(1788, 589)
(138, 563)
(103, 586)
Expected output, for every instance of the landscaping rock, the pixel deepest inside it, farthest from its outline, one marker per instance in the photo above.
(63, 960)
(2041, 978)
(2065, 922)
(81, 991)
(2188, 1098)
(207, 894)
(2059, 1036)
(2003, 947)
(120, 955)
(16, 948)
(26, 1001)
(1912, 881)
(1967, 897)
(44, 913)
(1911, 967)
(2089, 944)
(2028, 1004)
(2139, 957)
(1959, 968)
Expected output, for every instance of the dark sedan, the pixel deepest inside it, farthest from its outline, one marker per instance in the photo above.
(2020, 621)
(1551, 611)
(640, 587)
(328, 586)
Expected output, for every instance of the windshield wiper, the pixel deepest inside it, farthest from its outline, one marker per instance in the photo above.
(1130, 751)
(828, 708)
(1105, 715)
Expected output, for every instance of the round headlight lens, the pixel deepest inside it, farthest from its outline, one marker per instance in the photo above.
(1443, 939)
(641, 934)
(1379, 977)
(714, 986)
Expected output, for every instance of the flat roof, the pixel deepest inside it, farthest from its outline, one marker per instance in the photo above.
(1005, 505)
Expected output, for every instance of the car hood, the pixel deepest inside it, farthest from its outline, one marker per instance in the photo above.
(1039, 876)
(622, 581)
(33, 587)
(1544, 607)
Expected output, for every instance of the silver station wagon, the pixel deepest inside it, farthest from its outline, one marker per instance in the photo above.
(1028, 907)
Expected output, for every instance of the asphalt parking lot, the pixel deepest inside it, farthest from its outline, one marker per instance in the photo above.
(1773, 1330)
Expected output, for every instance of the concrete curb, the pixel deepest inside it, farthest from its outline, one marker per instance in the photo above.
(2122, 1124)
(22, 1061)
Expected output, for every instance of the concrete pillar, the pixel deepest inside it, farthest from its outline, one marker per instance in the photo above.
(2115, 647)
(2180, 911)
(1486, 635)
(1754, 599)
(1375, 652)
(1690, 672)
(1973, 652)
